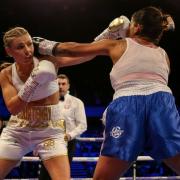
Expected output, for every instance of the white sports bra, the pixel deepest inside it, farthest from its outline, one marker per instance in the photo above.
(42, 91)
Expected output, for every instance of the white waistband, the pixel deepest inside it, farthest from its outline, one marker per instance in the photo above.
(140, 88)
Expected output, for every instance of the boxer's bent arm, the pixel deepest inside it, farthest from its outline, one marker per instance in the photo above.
(12, 101)
(16, 101)
(43, 73)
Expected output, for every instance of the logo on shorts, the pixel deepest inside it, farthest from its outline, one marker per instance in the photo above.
(116, 132)
(49, 144)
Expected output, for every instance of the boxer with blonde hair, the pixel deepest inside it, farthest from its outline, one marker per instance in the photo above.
(31, 93)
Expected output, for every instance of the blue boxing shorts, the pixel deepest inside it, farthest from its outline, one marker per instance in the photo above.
(142, 123)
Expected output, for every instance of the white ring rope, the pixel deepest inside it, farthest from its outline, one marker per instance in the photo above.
(90, 139)
(122, 178)
(83, 159)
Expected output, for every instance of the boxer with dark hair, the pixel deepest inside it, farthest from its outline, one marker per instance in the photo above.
(142, 116)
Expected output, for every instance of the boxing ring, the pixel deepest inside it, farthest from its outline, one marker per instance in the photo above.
(95, 159)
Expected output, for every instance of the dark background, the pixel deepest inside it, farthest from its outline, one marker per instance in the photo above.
(81, 21)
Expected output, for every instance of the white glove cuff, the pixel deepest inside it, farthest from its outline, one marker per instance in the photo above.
(46, 47)
(106, 34)
(27, 91)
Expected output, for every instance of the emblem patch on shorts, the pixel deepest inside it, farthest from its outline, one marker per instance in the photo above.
(49, 144)
(116, 132)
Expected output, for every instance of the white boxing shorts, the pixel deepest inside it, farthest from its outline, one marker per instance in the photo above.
(39, 129)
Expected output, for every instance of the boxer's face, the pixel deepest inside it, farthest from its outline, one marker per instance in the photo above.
(21, 48)
(134, 28)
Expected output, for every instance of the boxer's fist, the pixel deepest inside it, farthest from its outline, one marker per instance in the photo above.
(44, 72)
(36, 41)
(43, 46)
(117, 29)
(119, 24)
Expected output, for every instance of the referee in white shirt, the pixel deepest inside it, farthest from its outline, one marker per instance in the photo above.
(73, 112)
